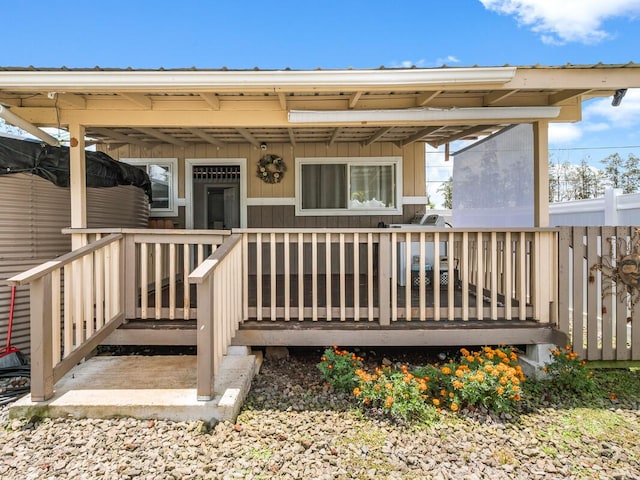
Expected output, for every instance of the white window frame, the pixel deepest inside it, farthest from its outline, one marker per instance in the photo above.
(172, 163)
(396, 162)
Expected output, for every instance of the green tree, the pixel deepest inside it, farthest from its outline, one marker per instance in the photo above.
(447, 192)
(614, 170)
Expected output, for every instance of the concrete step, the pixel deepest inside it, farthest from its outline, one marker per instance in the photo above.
(146, 387)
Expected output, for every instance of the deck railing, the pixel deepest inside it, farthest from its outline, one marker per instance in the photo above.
(219, 282)
(158, 264)
(388, 275)
(598, 310)
(76, 302)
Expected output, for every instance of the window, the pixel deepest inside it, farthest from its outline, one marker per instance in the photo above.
(163, 173)
(348, 186)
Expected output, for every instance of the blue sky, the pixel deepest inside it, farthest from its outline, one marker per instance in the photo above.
(342, 34)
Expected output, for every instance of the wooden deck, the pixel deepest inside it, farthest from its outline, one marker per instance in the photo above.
(415, 332)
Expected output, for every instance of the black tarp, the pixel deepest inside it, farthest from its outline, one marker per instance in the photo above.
(52, 164)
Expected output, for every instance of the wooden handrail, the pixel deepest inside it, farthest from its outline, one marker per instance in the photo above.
(401, 229)
(158, 231)
(206, 268)
(48, 267)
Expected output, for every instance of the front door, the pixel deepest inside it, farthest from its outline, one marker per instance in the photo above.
(216, 197)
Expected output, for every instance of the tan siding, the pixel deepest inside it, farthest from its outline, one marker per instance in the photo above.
(413, 177)
(283, 216)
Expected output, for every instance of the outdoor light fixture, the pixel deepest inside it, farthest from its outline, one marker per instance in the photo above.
(421, 114)
(617, 97)
(14, 119)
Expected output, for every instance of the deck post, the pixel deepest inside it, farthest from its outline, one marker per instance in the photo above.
(205, 340)
(384, 279)
(41, 341)
(129, 275)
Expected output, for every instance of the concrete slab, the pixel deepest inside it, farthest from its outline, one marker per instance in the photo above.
(145, 387)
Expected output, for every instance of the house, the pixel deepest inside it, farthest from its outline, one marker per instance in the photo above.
(279, 185)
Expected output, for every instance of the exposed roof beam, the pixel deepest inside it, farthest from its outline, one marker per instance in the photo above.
(13, 119)
(380, 133)
(107, 132)
(292, 136)
(425, 97)
(496, 97)
(336, 132)
(353, 99)
(459, 135)
(283, 100)
(566, 95)
(212, 100)
(72, 100)
(162, 136)
(418, 135)
(248, 137)
(205, 136)
(138, 98)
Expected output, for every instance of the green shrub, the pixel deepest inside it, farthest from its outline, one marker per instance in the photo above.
(568, 373)
(338, 368)
(398, 393)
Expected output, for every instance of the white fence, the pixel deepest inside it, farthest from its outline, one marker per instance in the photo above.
(614, 209)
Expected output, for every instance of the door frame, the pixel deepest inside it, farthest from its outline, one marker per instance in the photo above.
(189, 163)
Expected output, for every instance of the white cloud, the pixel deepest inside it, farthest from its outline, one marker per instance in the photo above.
(562, 21)
(449, 59)
(626, 115)
(563, 133)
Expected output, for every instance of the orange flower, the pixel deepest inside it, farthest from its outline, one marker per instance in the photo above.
(464, 352)
(377, 388)
(457, 384)
(436, 402)
(500, 390)
(330, 367)
(324, 359)
(443, 393)
(388, 401)
(454, 407)
(517, 398)
(446, 370)
(459, 373)
(470, 358)
(367, 400)
(613, 396)
(357, 392)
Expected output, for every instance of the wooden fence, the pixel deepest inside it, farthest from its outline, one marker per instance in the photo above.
(598, 310)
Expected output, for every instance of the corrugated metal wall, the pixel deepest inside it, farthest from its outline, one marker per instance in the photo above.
(33, 212)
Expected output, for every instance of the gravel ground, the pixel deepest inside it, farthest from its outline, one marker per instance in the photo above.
(292, 426)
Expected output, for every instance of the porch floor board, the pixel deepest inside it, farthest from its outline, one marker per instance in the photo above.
(322, 293)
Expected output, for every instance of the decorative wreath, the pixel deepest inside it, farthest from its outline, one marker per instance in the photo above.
(271, 168)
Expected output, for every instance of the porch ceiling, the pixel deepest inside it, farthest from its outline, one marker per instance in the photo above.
(219, 107)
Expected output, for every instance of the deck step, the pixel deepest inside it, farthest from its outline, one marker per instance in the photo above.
(145, 387)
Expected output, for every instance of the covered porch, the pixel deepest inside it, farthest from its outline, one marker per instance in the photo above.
(283, 269)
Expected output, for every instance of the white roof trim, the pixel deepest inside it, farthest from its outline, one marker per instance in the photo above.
(152, 80)
(421, 114)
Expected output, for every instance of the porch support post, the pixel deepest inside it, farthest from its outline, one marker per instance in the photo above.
(541, 174)
(384, 278)
(205, 341)
(41, 341)
(78, 183)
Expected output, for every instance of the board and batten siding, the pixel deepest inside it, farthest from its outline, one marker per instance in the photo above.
(266, 215)
(34, 211)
